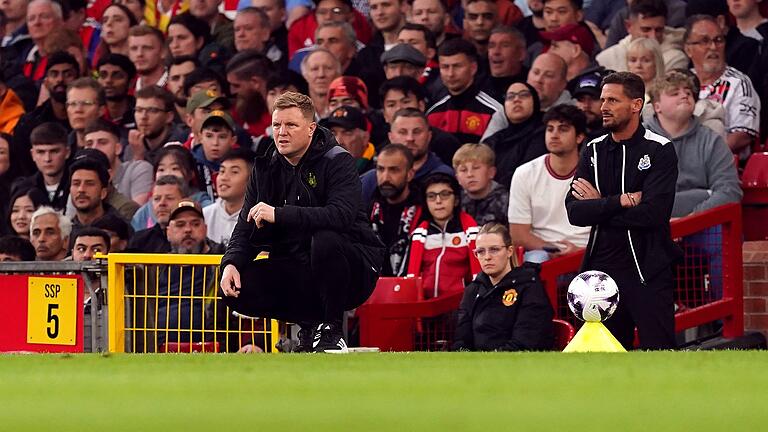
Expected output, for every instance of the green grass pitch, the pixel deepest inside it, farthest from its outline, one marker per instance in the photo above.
(662, 391)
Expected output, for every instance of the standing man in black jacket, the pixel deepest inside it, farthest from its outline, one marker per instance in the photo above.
(302, 246)
(624, 189)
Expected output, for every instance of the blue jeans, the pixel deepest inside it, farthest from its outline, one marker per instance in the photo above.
(537, 256)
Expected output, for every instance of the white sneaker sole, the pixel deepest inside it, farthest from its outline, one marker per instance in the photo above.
(337, 351)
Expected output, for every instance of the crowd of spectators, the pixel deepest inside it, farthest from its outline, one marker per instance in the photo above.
(116, 115)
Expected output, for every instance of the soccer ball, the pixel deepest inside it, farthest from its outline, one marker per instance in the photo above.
(593, 296)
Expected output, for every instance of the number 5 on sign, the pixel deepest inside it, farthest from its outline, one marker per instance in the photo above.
(52, 311)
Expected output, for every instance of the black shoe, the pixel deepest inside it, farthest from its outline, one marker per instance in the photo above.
(329, 339)
(306, 331)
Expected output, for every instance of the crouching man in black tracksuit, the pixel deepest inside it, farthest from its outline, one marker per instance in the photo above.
(302, 249)
(624, 189)
(505, 308)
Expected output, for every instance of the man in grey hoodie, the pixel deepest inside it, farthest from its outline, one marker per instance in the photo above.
(707, 174)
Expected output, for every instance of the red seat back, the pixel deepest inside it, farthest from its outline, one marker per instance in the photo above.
(754, 182)
(564, 332)
(756, 172)
(396, 290)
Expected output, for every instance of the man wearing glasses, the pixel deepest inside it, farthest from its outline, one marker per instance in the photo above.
(85, 103)
(154, 118)
(301, 34)
(705, 45)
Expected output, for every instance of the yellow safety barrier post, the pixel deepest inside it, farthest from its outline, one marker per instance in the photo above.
(171, 304)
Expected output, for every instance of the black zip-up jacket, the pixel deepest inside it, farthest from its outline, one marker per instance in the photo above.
(645, 163)
(322, 192)
(514, 315)
(36, 180)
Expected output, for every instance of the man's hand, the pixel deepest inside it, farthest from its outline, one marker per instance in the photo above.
(566, 248)
(136, 142)
(261, 213)
(250, 349)
(230, 281)
(583, 190)
(632, 199)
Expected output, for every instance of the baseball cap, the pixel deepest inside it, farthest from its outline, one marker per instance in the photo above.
(575, 33)
(404, 53)
(206, 98)
(347, 117)
(349, 86)
(588, 84)
(219, 115)
(186, 206)
(91, 160)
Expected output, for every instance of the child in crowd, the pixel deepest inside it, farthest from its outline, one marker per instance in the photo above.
(482, 197)
(217, 139)
(442, 244)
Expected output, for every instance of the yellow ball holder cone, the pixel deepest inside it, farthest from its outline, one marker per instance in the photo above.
(594, 337)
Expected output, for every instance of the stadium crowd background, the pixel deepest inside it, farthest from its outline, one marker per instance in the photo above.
(132, 126)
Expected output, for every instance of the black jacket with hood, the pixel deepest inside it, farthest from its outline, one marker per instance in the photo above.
(322, 192)
(513, 315)
(645, 163)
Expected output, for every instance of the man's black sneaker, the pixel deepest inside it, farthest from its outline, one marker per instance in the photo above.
(329, 338)
(306, 331)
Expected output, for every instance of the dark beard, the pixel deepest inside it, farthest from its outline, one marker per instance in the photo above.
(616, 126)
(388, 190)
(250, 106)
(60, 97)
(117, 98)
(196, 249)
(155, 135)
(595, 124)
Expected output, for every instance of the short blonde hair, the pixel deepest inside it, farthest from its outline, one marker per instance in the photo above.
(295, 100)
(671, 80)
(649, 45)
(474, 152)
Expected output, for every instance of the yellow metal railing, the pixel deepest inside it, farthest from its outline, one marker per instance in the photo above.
(170, 302)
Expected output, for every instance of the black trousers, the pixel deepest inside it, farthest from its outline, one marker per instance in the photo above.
(648, 307)
(333, 277)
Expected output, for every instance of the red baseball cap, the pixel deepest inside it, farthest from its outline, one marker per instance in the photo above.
(349, 86)
(575, 33)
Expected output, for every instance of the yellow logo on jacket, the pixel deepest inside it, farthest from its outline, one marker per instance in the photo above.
(509, 298)
(473, 123)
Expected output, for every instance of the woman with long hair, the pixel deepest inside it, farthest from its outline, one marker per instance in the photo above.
(187, 35)
(506, 307)
(645, 60)
(9, 171)
(24, 201)
(116, 21)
